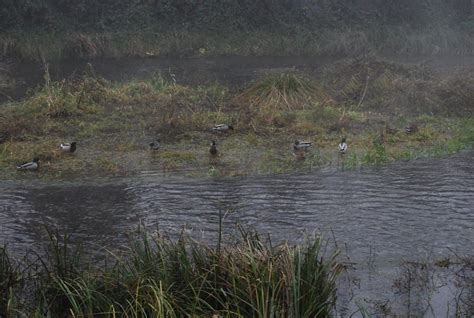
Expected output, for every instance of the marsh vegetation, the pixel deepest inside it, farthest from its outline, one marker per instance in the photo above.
(370, 102)
(156, 276)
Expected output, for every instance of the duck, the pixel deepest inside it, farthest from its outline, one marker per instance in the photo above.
(222, 128)
(32, 165)
(301, 145)
(389, 130)
(213, 149)
(155, 145)
(412, 128)
(68, 147)
(379, 140)
(342, 146)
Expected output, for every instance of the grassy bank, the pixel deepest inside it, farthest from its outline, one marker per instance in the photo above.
(369, 103)
(156, 277)
(294, 42)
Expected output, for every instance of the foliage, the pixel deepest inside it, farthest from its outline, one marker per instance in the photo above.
(156, 276)
(214, 15)
(10, 277)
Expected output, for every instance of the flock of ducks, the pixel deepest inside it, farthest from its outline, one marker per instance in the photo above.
(300, 147)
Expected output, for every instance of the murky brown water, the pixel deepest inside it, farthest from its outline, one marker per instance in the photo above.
(414, 210)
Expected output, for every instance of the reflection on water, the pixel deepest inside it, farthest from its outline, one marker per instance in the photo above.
(406, 211)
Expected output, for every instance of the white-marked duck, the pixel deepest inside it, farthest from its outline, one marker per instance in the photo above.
(301, 145)
(342, 146)
(155, 145)
(213, 149)
(68, 147)
(222, 128)
(412, 128)
(32, 165)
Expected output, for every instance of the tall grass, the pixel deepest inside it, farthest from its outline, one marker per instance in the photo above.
(10, 279)
(285, 91)
(399, 40)
(155, 276)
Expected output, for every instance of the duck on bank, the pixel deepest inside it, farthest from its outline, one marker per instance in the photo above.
(342, 146)
(213, 149)
(29, 166)
(222, 128)
(155, 145)
(66, 147)
(301, 145)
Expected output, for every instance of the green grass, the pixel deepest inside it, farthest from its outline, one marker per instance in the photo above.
(156, 276)
(114, 122)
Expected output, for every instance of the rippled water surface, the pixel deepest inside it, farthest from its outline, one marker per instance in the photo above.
(405, 211)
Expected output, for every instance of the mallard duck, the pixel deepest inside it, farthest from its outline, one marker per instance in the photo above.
(379, 140)
(389, 130)
(32, 165)
(412, 128)
(222, 128)
(155, 145)
(68, 147)
(342, 146)
(213, 149)
(301, 145)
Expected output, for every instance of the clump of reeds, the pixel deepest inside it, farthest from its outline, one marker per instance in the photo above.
(10, 277)
(285, 91)
(87, 45)
(59, 99)
(159, 277)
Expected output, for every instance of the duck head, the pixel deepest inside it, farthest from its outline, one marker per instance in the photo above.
(36, 159)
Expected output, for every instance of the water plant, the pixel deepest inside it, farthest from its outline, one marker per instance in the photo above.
(10, 278)
(156, 276)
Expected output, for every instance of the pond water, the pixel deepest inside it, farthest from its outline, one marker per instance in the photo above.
(378, 217)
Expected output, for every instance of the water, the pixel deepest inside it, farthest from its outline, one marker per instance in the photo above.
(414, 210)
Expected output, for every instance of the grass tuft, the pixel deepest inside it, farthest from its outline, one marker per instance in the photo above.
(155, 276)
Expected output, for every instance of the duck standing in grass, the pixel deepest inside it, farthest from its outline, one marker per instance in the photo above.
(155, 145)
(68, 147)
(222, 128)
(342, 146)
(301, 145)
(412, 128)
(213, 149)
(32, 165)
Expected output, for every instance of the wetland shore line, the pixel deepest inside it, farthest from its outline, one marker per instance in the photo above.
(369, 101)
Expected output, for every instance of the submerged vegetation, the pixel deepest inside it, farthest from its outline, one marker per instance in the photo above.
(369, 102)
(159, 277)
